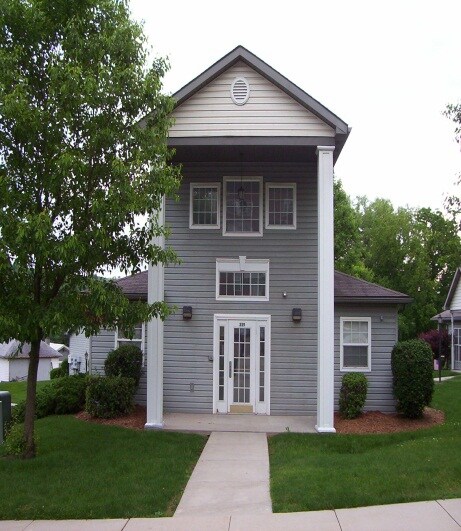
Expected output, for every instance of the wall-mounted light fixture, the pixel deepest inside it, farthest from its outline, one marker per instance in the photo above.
(187, 312)
(296, 314)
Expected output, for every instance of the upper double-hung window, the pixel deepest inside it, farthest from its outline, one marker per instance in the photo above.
(204, 205)
(243, 206)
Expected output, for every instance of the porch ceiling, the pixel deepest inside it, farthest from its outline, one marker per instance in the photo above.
(244, 153)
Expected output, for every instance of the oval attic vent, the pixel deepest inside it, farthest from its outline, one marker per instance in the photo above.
(240, 91)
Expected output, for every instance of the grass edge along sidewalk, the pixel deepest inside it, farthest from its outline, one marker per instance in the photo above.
(86, 470)
(311, 472)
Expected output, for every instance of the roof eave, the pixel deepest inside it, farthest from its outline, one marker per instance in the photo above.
(374, 300)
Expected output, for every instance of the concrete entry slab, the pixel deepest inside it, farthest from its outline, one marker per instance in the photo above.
(231, 477)
(207, 423)
(417, 516)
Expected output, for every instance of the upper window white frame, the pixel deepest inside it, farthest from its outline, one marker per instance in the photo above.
(193, 225)
(121, 338)
(224, 221)
(343, 368)
(291, 186)
(242, 265)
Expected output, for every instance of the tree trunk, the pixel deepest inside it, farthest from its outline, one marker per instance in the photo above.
(29, 419)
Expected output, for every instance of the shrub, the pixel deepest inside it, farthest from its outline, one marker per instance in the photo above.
(59, 372)
(70, 394)
(60, 397)
(412, 376)
(353, 394)
(433, 337)
(124, 361)
(110, 397)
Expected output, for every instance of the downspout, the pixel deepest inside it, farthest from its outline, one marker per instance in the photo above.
(452, 342)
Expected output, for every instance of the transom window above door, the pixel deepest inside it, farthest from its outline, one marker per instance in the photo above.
(241, 279)
(242, 213)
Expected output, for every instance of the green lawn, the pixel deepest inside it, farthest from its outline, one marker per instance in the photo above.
(18, 389)
(87, 470)
(311, 472)
(445, 372)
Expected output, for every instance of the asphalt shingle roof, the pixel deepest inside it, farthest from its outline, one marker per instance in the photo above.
(11, 350)
(347, 289)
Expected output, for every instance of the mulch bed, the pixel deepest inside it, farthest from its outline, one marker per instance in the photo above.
(135, 421)
(377, 422)
(368, 422)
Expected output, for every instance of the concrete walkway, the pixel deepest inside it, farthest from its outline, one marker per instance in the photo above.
(231, 477)
(442, 515)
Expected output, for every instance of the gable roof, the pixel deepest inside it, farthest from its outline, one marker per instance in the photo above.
(240, 53)
(12, 350)
(347, 289)
(452, 290)
(351, 289)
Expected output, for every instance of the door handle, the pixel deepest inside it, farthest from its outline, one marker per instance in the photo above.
(230, 369)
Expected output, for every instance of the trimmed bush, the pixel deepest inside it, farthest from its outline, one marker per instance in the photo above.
(59, 372)
(110, 397)
(412, 376)
(60, 397)
(124, 361)
(55, 373)
(70, 394)
(353, 393)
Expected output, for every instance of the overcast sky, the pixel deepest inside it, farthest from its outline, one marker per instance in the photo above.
(386, 68)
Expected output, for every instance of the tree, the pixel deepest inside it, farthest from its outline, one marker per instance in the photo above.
(415, 251)
(78, 174)
(453, 202)
(347, 245)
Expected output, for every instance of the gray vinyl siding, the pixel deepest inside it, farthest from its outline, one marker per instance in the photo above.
(384, 330)
(293, 268)
(101, 345)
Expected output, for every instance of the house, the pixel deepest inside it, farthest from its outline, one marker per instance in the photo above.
(14, 361)
(451, 317)
(263, 323)
(79, 349)
(62, 349)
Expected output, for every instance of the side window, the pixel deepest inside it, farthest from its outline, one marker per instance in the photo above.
(137, 339)
(355, 347)
(280, 206)
(204, 208)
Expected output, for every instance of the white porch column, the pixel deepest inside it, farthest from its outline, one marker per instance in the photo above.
(155, 292)
(325, 356)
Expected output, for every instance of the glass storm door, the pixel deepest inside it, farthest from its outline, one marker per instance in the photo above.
(242, 365)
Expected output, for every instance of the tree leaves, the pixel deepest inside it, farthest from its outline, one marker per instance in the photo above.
(412, 250)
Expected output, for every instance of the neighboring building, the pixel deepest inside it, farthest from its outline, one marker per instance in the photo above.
(264, 325)
(14, 361)
(79, 353)
(451, 317)
(62, 349)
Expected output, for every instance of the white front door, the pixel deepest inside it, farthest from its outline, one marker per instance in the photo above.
(242, 364)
